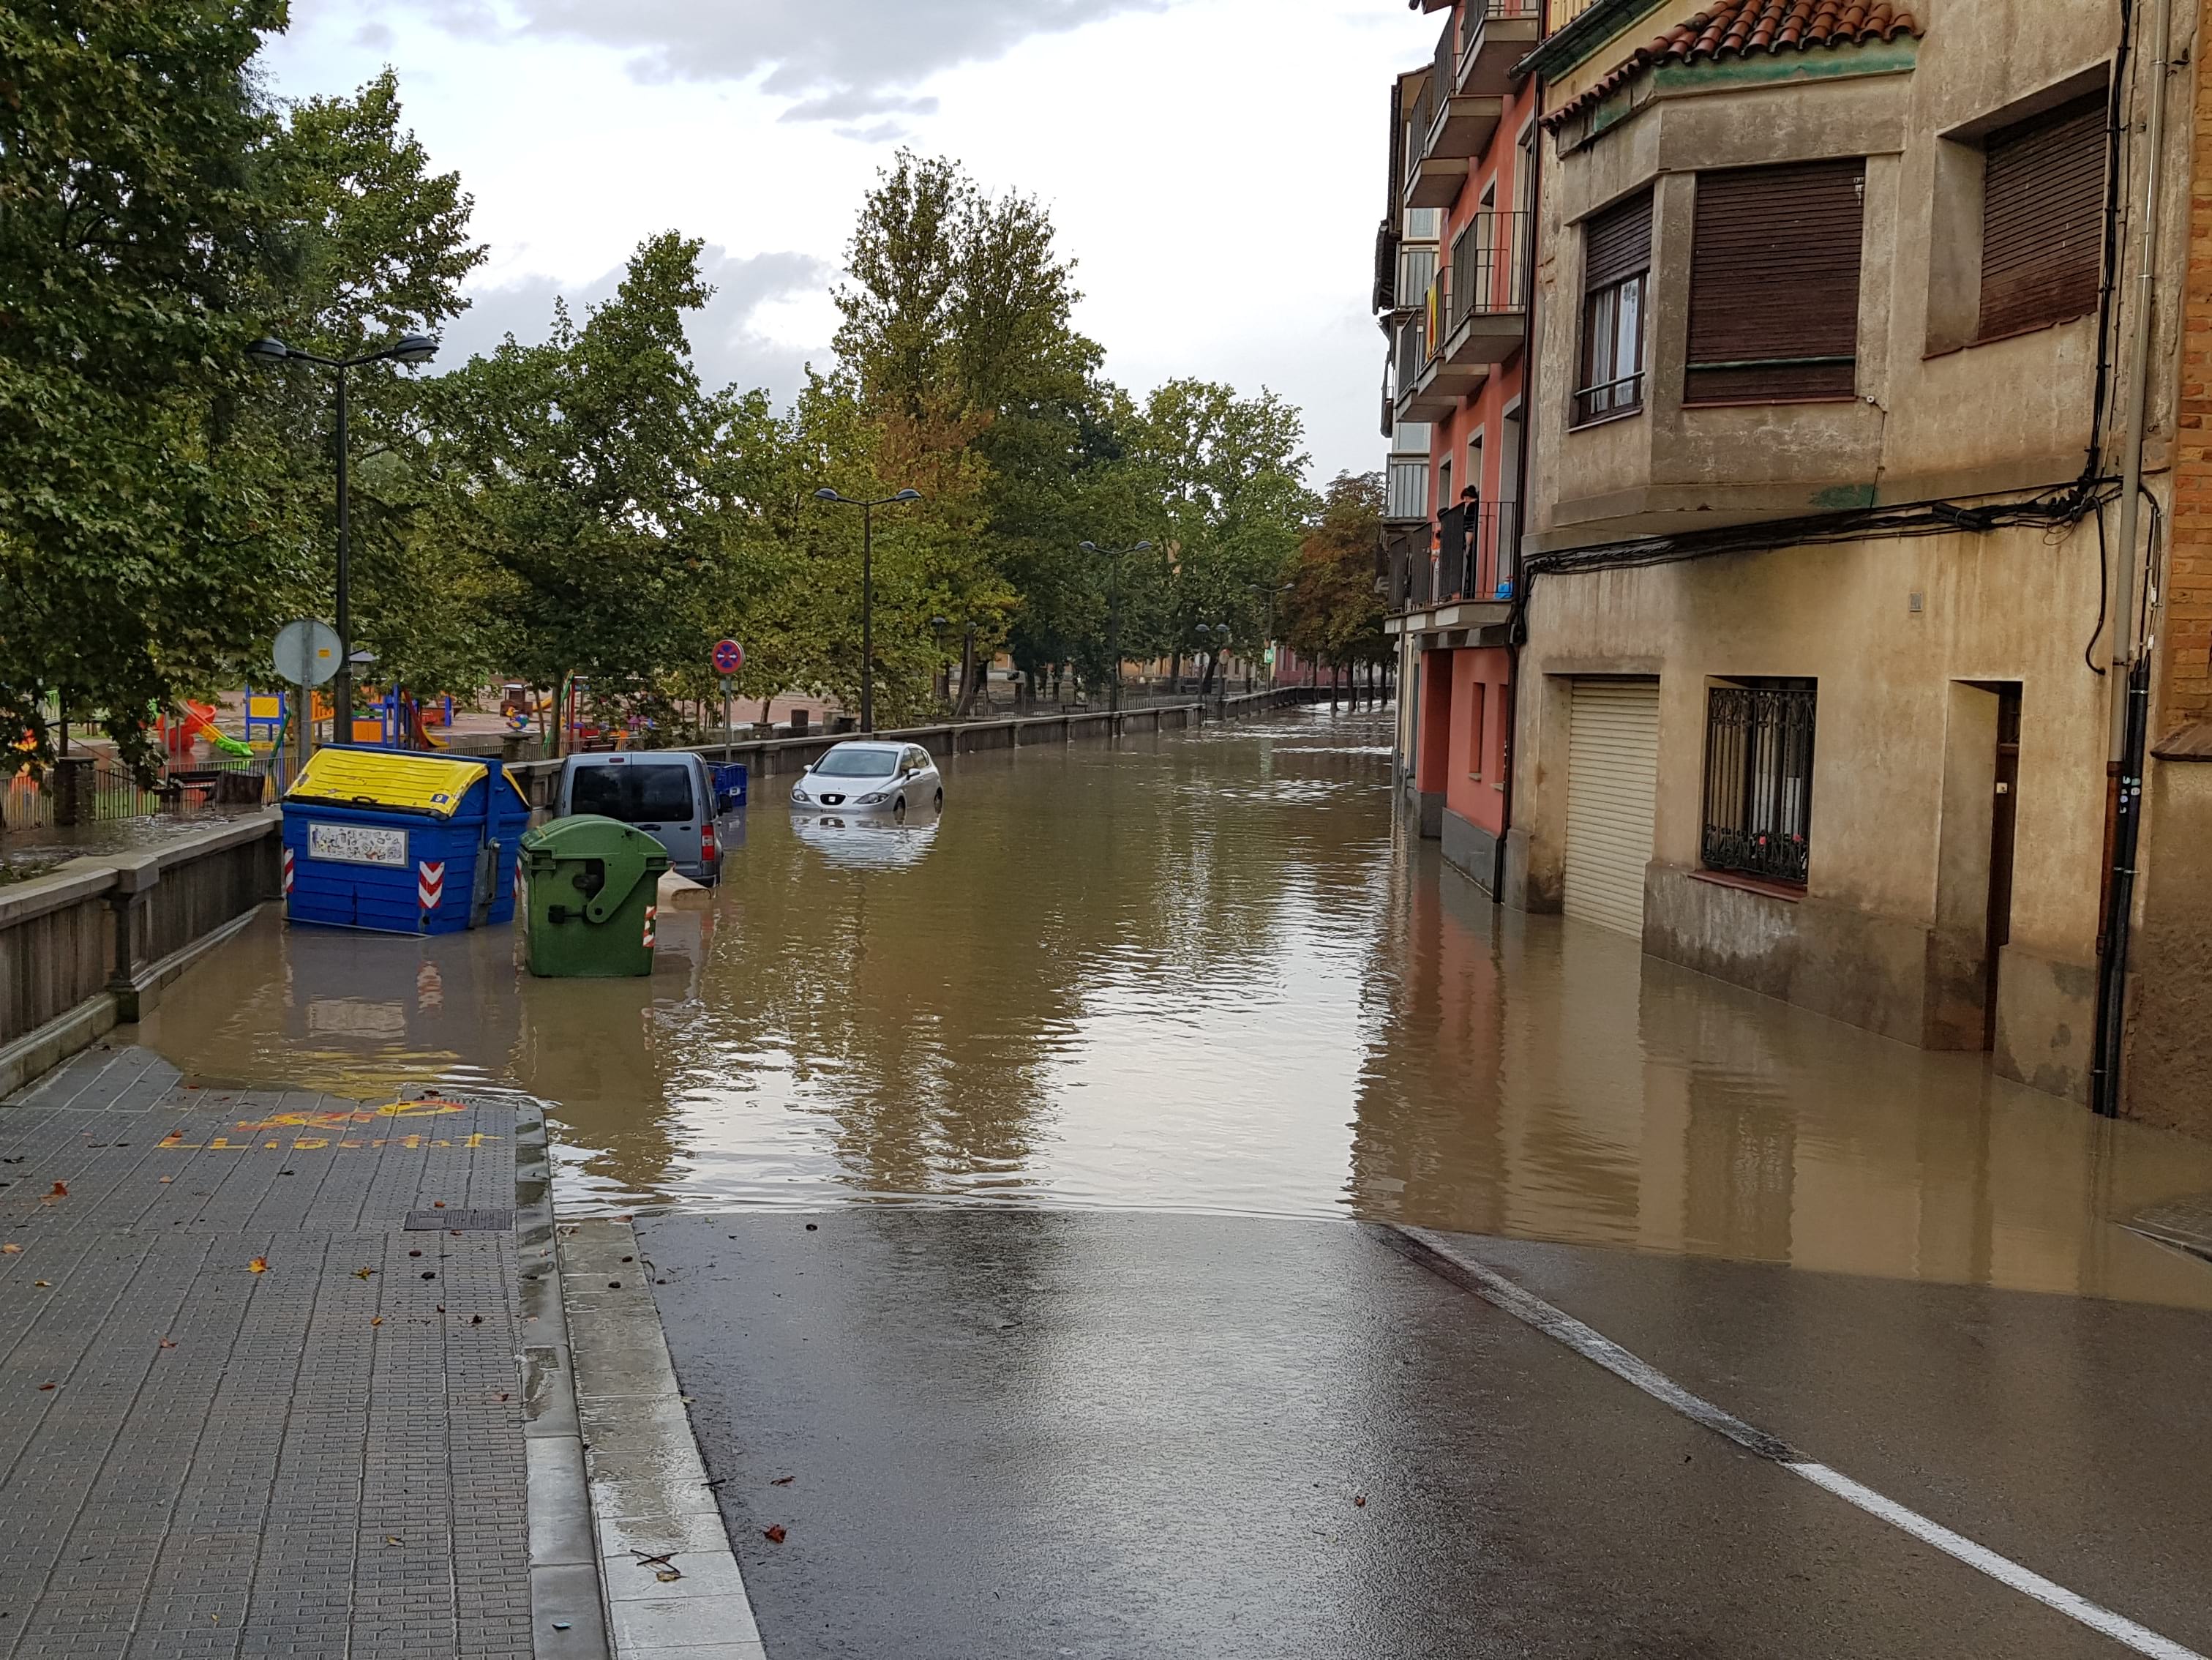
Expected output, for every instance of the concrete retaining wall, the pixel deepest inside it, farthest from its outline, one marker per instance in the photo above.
(93, 945)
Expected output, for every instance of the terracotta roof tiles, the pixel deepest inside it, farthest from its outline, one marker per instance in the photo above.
(1738, 28)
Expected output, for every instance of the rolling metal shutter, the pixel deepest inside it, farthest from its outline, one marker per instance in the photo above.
(1774, 284)
(1617, 243)
(2043, 219)
(1612, 777)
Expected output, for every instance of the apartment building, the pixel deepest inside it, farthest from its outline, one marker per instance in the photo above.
(1830, 490)
(1452, 287)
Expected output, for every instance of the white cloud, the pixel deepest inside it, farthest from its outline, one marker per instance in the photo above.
(728, 342)
(1215, 166)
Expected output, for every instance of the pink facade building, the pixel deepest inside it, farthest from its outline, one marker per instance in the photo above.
(1453, 277)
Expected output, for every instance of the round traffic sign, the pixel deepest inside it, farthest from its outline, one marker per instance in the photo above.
(729, 657)
(306, 654)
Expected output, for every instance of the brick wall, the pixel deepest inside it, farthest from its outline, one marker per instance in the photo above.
(2184, 690)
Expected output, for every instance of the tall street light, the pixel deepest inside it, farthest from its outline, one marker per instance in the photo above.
(408, 349)
(1271, 594)
(1114, 557)
(867, 590)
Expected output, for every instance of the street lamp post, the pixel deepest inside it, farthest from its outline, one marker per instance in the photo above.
(867, 590)
(1271, 594)
(1114, 557)
(408, 349)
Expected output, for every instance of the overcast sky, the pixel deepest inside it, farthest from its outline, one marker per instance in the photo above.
(1215, 167)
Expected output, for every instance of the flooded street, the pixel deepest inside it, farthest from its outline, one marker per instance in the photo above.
(1204, 974)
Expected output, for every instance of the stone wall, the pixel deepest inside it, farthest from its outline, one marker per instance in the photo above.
(93, 945)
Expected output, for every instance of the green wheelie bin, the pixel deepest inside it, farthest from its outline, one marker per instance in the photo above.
(594, 889)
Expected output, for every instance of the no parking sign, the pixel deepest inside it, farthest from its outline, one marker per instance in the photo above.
(729, 657)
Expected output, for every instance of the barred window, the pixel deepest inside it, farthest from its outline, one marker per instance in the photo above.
(1758, 779)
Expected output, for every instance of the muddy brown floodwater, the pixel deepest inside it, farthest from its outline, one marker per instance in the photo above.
(1206, 973)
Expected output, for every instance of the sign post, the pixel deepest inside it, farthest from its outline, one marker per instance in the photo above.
(729, 658)
(306, 654)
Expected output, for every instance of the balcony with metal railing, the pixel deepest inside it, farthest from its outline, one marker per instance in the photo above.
(1450, 127)
(1495, 35)
(1477, 563)
(1486, 307)
(1405, 490)
(1416, 272)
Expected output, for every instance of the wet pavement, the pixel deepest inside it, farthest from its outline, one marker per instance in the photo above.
(257, 1396)
(989, 1433)
(1206, 974)
(996, 1179)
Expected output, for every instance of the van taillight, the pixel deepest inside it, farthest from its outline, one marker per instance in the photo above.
(707, 840)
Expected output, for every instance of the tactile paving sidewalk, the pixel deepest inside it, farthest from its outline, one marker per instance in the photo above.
(321, 1454)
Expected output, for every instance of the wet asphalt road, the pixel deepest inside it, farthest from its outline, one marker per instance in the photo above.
(1102, 1433)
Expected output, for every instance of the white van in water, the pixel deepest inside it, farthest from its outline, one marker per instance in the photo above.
(668, 794)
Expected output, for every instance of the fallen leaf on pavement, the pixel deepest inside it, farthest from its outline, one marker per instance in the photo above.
(42, 1282)
(259, 1265)
(167, 1344)
(61, 1191)
(11, 1249)
(362, 1273)
(377, 1321)
(773, 1535)
(665, 1575)
(393, 1539)
(476, 1319)
(169, 1178)
(43, 1388)
(1361, 1501)
(783, 1481)
(437, 1204)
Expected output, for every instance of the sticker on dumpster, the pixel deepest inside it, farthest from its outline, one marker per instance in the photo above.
(430, 883)
(357, 844)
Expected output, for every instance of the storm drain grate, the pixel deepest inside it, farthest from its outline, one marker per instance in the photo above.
(460, 1221)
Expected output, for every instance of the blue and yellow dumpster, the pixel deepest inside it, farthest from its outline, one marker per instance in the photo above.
(402, 843)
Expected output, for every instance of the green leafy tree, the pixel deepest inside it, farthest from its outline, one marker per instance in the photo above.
(1334, 613)
(960, 314)
(584, 471)
(1228, 472)
(141, 541)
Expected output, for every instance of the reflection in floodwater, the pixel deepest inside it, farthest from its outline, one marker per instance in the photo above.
(860, 841)
(1206, 973)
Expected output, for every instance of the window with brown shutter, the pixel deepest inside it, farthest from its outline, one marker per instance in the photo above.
(2043, 219)
(1774, 285)
(1616, 276)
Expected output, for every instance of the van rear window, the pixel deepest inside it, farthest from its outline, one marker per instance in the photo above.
(652, 794)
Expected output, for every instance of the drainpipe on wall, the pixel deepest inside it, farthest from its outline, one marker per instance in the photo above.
(1528, 431)
(2130, 677)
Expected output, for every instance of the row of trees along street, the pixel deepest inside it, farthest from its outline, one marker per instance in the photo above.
(584, 508)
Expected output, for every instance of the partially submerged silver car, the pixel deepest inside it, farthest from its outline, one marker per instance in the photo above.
(670, 794)
(869, 776)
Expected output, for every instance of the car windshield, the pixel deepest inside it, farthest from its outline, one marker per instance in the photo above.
(857, 763)
(649, 794)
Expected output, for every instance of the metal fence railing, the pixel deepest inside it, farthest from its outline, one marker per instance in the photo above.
(1489, 267)
(100, 789)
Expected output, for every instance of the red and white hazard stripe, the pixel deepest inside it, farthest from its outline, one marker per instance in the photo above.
(651, 912)
(288, 872)
(430, 883)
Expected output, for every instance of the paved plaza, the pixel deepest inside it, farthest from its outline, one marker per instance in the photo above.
(257, 1396)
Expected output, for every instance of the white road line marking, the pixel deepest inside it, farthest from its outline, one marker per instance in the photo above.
(2003, 1570)
(1596, 1348)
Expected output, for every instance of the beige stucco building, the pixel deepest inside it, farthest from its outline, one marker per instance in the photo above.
(1807, 689)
